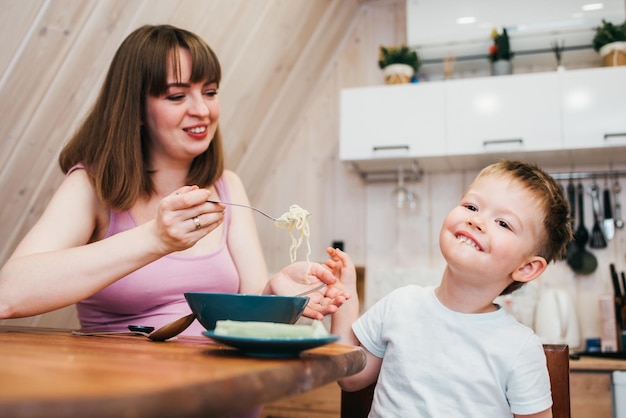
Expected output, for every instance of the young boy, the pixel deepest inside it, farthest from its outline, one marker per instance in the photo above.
(448, 350)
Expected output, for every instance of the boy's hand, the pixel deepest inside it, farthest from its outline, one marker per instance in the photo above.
(343, 269)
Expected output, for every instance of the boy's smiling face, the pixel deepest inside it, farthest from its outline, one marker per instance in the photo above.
(494, 233)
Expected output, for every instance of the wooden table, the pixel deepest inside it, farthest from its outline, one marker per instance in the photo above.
(52, 373)
(590, 386)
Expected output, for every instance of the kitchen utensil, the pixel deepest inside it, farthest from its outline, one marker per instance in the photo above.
(619, 298)
(619, 223)
(588, 262)
(581, 236)
(573, 260)
(623, 307)
(245, 206)
(130, 332)
(141, 328)
(173, 328)
(164, 333)
(615, 280)
(609, 222)
(598, 239)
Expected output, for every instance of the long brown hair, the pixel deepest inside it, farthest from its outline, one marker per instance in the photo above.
(111, 143)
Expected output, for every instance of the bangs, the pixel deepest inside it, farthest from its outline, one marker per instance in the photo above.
(165, 53)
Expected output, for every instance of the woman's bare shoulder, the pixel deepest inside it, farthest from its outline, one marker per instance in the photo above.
(234, 183)
(77, 183)
(78, 188)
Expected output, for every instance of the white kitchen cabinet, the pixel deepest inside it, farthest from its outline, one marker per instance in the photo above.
(594, 107)
(503, 114)
(559, 117)
(395, 121)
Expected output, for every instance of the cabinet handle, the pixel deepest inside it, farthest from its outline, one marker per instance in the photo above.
(389, 147)
(488, 142)
(607, 136)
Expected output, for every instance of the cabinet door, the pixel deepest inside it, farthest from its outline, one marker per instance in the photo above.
(514, 113)
(392, 121)
(594, 107)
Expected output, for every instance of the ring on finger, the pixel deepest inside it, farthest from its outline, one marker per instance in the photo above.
(196, 221)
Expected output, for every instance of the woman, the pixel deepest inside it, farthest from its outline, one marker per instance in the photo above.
(130, 229)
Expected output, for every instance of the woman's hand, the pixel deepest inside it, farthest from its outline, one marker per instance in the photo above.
(293, 280)
(185, 216)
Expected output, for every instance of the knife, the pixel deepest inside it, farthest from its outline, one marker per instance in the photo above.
(619, 302)
(623, 305)
(609, 223)
(617, 289)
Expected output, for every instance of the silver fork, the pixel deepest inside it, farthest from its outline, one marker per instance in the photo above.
(245, 206)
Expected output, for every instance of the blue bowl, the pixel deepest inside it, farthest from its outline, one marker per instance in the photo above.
(212, 307)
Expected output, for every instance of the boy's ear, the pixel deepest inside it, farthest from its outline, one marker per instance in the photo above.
(530, 270)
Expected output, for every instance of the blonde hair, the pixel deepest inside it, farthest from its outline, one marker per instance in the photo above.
(555, 207)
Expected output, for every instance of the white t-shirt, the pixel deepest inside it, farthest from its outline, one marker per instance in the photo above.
(441, 363)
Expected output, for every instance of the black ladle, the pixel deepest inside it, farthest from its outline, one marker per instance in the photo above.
(582, 261)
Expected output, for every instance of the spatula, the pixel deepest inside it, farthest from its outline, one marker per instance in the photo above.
(619, 223)
(597, 239)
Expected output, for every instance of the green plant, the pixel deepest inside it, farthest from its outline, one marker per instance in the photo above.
(607, 32)
(500, 49)
(398, 55)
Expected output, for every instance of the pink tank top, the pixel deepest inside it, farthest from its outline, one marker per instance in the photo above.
(154, 294)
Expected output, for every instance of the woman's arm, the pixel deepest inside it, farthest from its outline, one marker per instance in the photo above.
(62, 260)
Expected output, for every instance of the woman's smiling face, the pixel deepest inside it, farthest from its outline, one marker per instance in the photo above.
(182, 122)
(493, 231)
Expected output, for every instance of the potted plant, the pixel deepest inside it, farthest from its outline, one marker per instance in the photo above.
(500, 53)
(399, 63)
(610, 42)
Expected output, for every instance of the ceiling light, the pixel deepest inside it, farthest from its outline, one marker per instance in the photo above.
(592, 6)
(466, 20)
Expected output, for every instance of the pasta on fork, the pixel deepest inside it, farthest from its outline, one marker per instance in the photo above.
(297, 219)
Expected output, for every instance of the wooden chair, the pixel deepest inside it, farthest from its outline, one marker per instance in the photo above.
(357, 404)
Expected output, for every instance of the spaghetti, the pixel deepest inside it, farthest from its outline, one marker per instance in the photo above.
(296, 219)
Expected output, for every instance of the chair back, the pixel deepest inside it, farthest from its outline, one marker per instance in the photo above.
(357, 404)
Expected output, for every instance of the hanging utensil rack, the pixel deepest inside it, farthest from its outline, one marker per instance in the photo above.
(411, 170)
(582, 175)
(413, 173)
